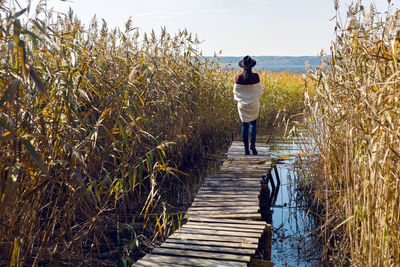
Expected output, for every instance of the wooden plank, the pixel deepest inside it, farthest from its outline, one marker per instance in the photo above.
(225, 186)
(242, 172)
(232, 190)
(242, 209)
(256, 162)
(188, 230)
(238, 198)
(186, 261)
(252, 197)
(219, 243)
(256, 225)
(242, 167)
(202, 219)
(154, 263)
(233, 177)
(232, 183)
(222, 211)
(223, 203)
(242, 175)
(229, 250)
(237, 175)
(248, 216)
(245, 227)
(222, 187)
(237, 179)
(238, 153)
(245, 165)
(240, 143)
(213, 238)
(226, 194)
(226, 226)
(229, 201)
(200, 254)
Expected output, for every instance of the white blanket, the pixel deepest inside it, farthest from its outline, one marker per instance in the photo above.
(248, 98)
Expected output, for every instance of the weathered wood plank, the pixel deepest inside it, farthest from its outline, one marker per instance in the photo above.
(219, 243)
(257, 162)
(243, 187)
(241, 209)
(188, 230)
(203, 219)
(227, 226)
(213, 237)
(200, 254)
(223, 203)
(217, 191)
(229, 201)
(228, 250)
(231, 181)
(221, 211)
(228, 194)
(244, 169)
(240, 143)
(154, 263)
(242, 173)
(239, 198)
(162, 260)
(239, 176)
(231, 193)
(245, 227)
(249, 216)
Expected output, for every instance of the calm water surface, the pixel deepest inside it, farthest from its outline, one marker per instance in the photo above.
(293, 239)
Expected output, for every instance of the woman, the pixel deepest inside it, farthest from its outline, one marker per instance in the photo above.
(247, 91)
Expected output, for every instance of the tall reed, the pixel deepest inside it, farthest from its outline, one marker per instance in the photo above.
(355, 121)
(95, 124)
(97, 127)
(283, 96)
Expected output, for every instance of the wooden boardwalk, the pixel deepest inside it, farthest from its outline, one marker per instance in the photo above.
(224, 225)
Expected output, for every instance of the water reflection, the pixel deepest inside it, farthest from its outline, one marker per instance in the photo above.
(293, 240)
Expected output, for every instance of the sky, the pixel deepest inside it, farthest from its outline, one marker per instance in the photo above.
(237, 28)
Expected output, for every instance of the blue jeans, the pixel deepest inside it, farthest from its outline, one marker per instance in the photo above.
(245, 133)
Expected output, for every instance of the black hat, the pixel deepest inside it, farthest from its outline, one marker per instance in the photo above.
(247, 62)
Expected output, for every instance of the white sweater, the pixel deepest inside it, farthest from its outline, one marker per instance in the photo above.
(248, 98)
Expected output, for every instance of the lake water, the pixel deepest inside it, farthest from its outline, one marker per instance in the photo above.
(293, 240)
(277, 68)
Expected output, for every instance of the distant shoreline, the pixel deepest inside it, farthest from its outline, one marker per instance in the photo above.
(275, 63)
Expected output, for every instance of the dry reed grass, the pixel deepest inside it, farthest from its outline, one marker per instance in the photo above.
(97, 126)
(283, 96)
(355, 121)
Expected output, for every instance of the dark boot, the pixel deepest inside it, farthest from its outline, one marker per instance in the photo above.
(246, 150)
(253, 149)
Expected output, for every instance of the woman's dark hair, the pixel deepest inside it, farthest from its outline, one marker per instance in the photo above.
(247, 74)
